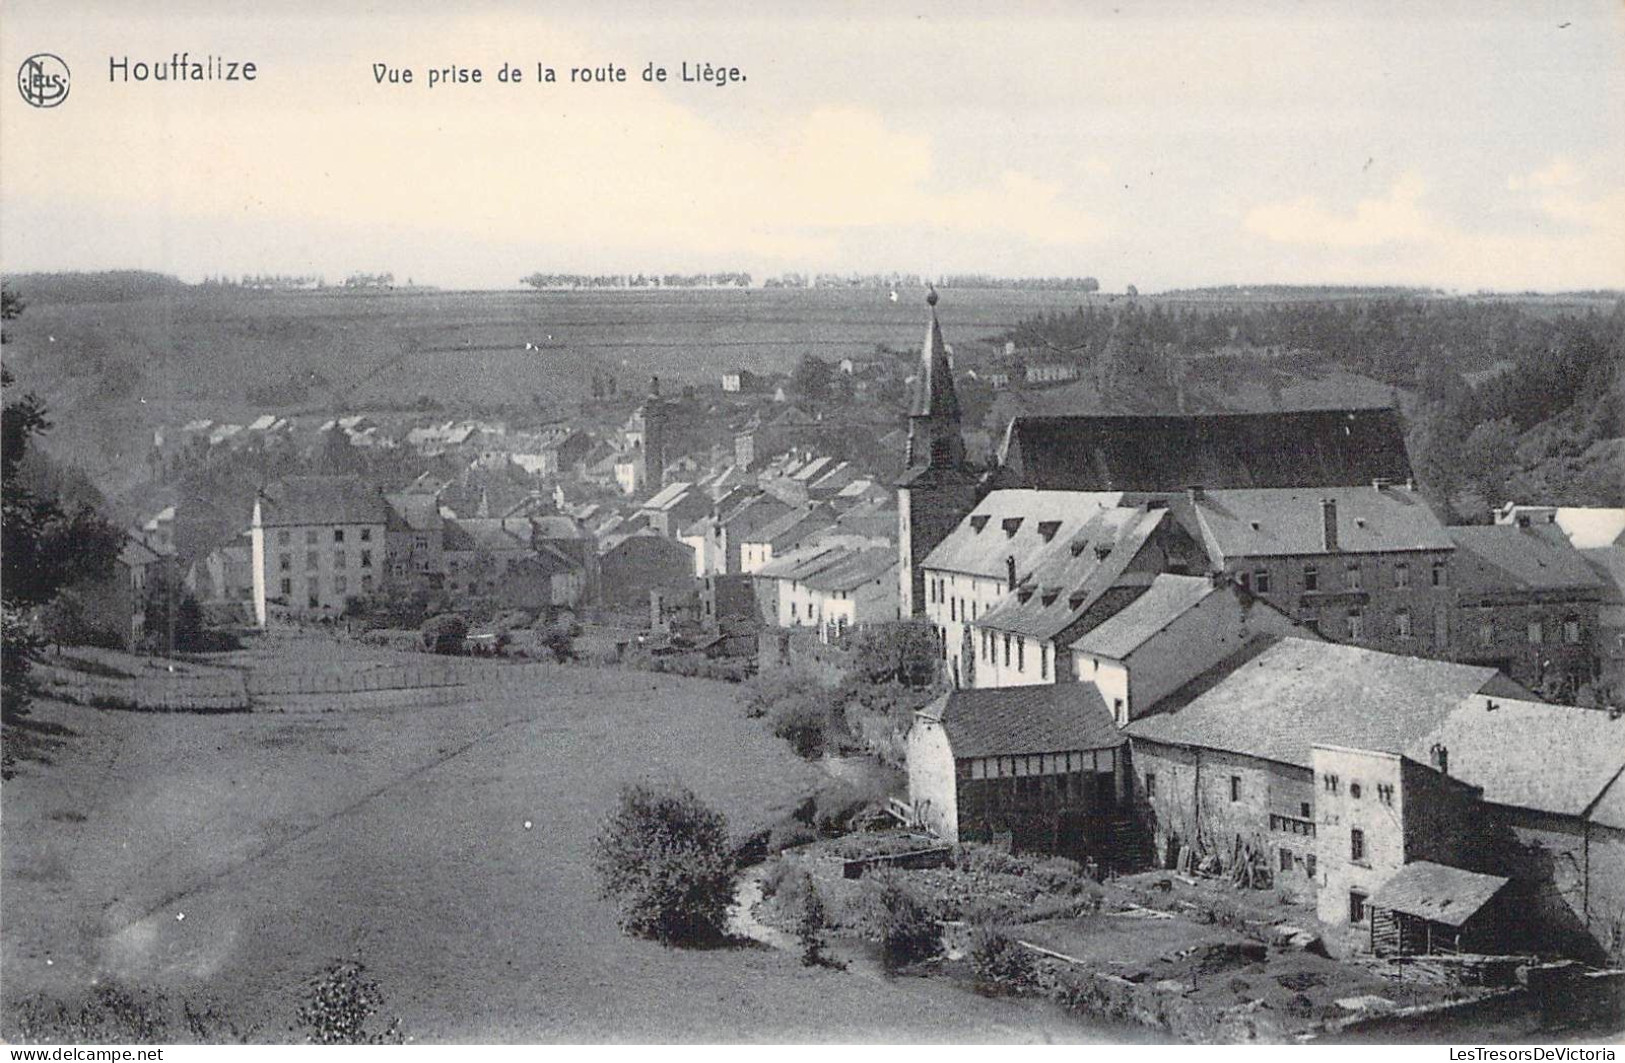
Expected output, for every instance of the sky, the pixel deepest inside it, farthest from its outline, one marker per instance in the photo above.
(1461, 146)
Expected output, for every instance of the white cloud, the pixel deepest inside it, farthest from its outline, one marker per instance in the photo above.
(1397, 217)
(1559, 173)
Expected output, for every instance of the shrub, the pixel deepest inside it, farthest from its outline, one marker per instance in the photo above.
(444, 633)
(907, 928)
(556, 640)
(811, 924)
(337, 1004)
(664, 858)
(999, 961)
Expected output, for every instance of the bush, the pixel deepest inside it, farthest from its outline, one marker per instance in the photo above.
(337, 1004)
(811, 924)
(664, 858)
(556, 640)
(907, 928)
(999, 961)
(444, 633)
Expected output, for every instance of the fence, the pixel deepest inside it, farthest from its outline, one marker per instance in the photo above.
(407, 683)
(164, 692)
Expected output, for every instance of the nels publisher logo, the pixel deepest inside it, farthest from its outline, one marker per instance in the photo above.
(43, 80)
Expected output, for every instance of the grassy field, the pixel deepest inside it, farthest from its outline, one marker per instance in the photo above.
(232, 856)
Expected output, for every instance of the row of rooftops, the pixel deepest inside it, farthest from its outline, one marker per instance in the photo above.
(1279, 699)
(833, 567)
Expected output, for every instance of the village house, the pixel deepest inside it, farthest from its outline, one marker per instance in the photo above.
(1225, 766)
(738, 381)
(1551, 785)
(317, 541)
(778, 537)
(1529, 604)
(674, 507)
(633, 565)
(502, 558)
(832, 589)
(117, 604)
(1179, 628)
(415, 534)
(1040, 768)
(718, 539)
(1365, 565)
(224, 574)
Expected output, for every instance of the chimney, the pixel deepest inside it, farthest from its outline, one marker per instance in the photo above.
(1328, 523)
(1010, 571)
(1381, 484)
(1441, 758)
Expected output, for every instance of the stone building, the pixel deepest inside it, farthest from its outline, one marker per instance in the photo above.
(1528, 603)
(317, 541)
(1039, 766)
(1366, 565)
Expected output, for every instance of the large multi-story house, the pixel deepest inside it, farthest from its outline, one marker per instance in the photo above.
(1366, 565)
(317, 542)
(1527, 603)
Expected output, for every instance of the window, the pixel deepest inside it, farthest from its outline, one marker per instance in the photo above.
(1402, 623)
(366, 559)
(285, 563)
(1486, 628)
(1309, 866)
(1438, 573)
(283, 537)
(1261, 581)
(1007, 649)
(1304, 811)
(1235, 788)
(1311, 620)
(313, 560)
(1357, 845)
(1356, 623)
(310, 537)
(953, 608)
(1150, 784)
(1330, 783)
(340, 559)
(341, 584)
(1286, 859)
(1311, 578)
(1351, 576)
(1043, 660)
(366, 535)
(338, 535)
(287, 588)
(1385, 793)
(795, 610)
(315, 600)
(1402, 575)
(1354, 790)
(1021, 654)
(1356, 906)
(1117, 712)
(1537, 632)
(1571, 630)
(420, 542)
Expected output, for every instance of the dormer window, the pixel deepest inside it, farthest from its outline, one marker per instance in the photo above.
(1103, 551)
(1079, 546)
(1048, 528)
(1024, 594)
(1049, 596)
(1010, 526)
(978, 521)
(1076, 600)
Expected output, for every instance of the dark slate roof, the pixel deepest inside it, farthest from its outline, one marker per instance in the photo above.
(1168, 453)
(1015, 721)
(300, 500)
(854, 570)
(1437, 893)
(1528, 754)
(416, 511)
(1289, 522)
(1297, 694)
(1505, 557)
(1079, 581)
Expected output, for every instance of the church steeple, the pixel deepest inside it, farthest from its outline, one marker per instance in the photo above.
(933, 414)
